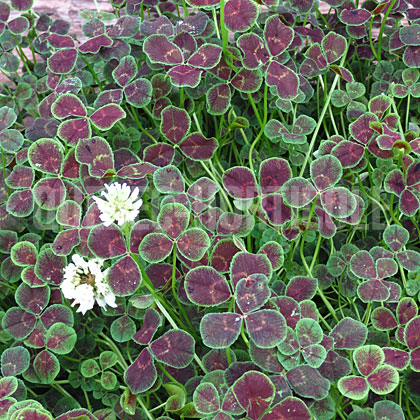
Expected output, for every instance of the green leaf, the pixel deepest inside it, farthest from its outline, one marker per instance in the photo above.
(107, 359)
(89, 368)
(61, 338)
(108, 380)
(122, 329)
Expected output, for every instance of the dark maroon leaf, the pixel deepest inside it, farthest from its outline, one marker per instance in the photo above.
(355, 16)
(349, 334)
(185, 76)
(18, 323)
(49, 193)
(203, 3)
(49, 267)
(218, 99)
(46, 155)
(68, 105)
(106, 242)
(21, 5)
(348, 153)
(267, 328)
(151, 322)
(383, 380)
(63, 61)
(397, 358)
(307, 382)
(290, 408)
(160, 50)
(301, 288)
(155, 247)
(113, 96)
(274, 173)
(175, 124)
(72, 130)
(20, 177)
(206, 287)
(197, 147)
(240, 15)
(334, 46)
(124, 277)
(220, 330)
(277, 35)
(244, 264)
(174, 348)
(141, 374)
(193, 243)
(97, 154)
(255, 52)
(284, 79)
(254, 392)
(252, 292)
(412, 333)
(139, 92)
(93, 45)
(240, 183)
(206, 398)
(105, 117)
(206, 57)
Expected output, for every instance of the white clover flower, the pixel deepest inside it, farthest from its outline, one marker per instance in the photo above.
(120, 204)
(85, 282)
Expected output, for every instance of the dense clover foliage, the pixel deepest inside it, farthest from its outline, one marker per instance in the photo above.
(210, 209)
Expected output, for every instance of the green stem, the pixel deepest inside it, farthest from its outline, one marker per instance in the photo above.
(407, 113)
(381, 30)
(225, 35)
(160, 302)
(254, 107)
(241, 130)
(244, 337)
(404, 279)
(222, 191)
(97, 6)
(174, 292)
(22, 55)
(216, 24)
(89, 407)
(323, 112)
(371, 38)
(145, 409)
(93, 73)
(197, 123)
(181, 97)
(168, 375)
(184, 6)
(264, 122)
(318, 246)
(116, 350)
(163, 309)
(394, 107)
(367, 313)
(308, 269)
(302, 242)
(139, 125)
(3, 159)
(60, 389)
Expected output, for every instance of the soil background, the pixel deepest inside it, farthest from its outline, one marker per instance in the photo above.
(69, 10)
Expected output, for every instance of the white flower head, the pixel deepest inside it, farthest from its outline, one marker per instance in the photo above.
(85, 283)
(119, 204)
